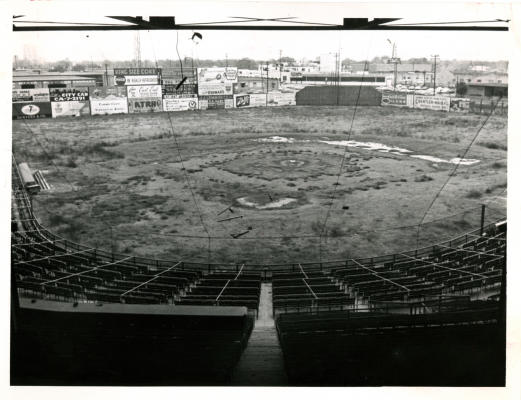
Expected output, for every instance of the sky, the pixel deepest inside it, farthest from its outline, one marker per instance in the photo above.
(261, 45)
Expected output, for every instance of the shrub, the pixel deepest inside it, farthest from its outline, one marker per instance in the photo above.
(474, 194)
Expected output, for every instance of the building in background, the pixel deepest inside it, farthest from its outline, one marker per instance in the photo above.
(406, 74)
(256, 83)
(329, 62)
(341, 79)
(481, 76)
(40, 79)
(487, 90)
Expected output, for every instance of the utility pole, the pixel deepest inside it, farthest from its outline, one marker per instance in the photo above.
(280, 66)
(267, 83)
(137, 49)
(337, 82)
(434, 86)
(394, 60)
(106, 75)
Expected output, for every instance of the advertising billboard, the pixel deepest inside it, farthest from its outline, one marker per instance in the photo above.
(180, 103)
(281, 99)
(137, 76)
(437, 103)
(116, 105)
(108, 100)
(185, 88)
(216, 81)
(459, 105)
(70, 108)
(145, 91)
(394, 99)
(137, 71)
(250, 100)
(31, 95)
(107, 92)
(32, 110)
(121, 80)
(145, 105)
(215, 102)
(69, 94)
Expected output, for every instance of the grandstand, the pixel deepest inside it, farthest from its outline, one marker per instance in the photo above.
(370, 321)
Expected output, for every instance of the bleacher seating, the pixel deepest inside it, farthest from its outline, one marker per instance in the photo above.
(225, 289)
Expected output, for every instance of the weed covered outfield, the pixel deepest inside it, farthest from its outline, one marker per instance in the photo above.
(121, 177)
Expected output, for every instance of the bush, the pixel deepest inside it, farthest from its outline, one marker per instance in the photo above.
(474, 194)
(423, 178)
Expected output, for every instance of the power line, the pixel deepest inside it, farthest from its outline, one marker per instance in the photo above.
(453, 172)
(342, 163)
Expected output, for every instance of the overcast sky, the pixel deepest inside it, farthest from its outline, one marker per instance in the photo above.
(261, 45)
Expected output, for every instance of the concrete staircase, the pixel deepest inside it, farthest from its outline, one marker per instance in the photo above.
(262, 363)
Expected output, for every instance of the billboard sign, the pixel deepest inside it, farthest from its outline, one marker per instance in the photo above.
(216, 81)
(70, 108)
(281, 99)
(107, 92)
(31, 95)
(394, 99)
(116, 105)
(459, 105)
(437, 103)
(185, 88)
(69, 94)
(137, 71)
(145, 105)
(215, 102)
(250, 100)
(180, 103)
(125, 80)
(32, 110)
(145, 91)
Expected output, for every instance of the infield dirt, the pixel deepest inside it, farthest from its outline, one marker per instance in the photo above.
(128, 182)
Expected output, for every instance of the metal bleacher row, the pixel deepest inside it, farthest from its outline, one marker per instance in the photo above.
(48, 266)
(299, 288)
(473, 266)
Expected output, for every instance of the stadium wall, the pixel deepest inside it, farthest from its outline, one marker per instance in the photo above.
(338, 96)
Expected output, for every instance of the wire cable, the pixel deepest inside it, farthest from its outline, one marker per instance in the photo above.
(342, 163)
(453, 172)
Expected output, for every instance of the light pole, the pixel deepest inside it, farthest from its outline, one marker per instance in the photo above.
(394, 60)
(434, 86)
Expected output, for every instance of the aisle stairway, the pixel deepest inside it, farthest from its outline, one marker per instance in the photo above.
(262, 363)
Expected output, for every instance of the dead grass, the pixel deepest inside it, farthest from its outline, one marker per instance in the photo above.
(128, 175)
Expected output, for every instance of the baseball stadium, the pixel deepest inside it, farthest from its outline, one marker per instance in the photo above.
(173, 226)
